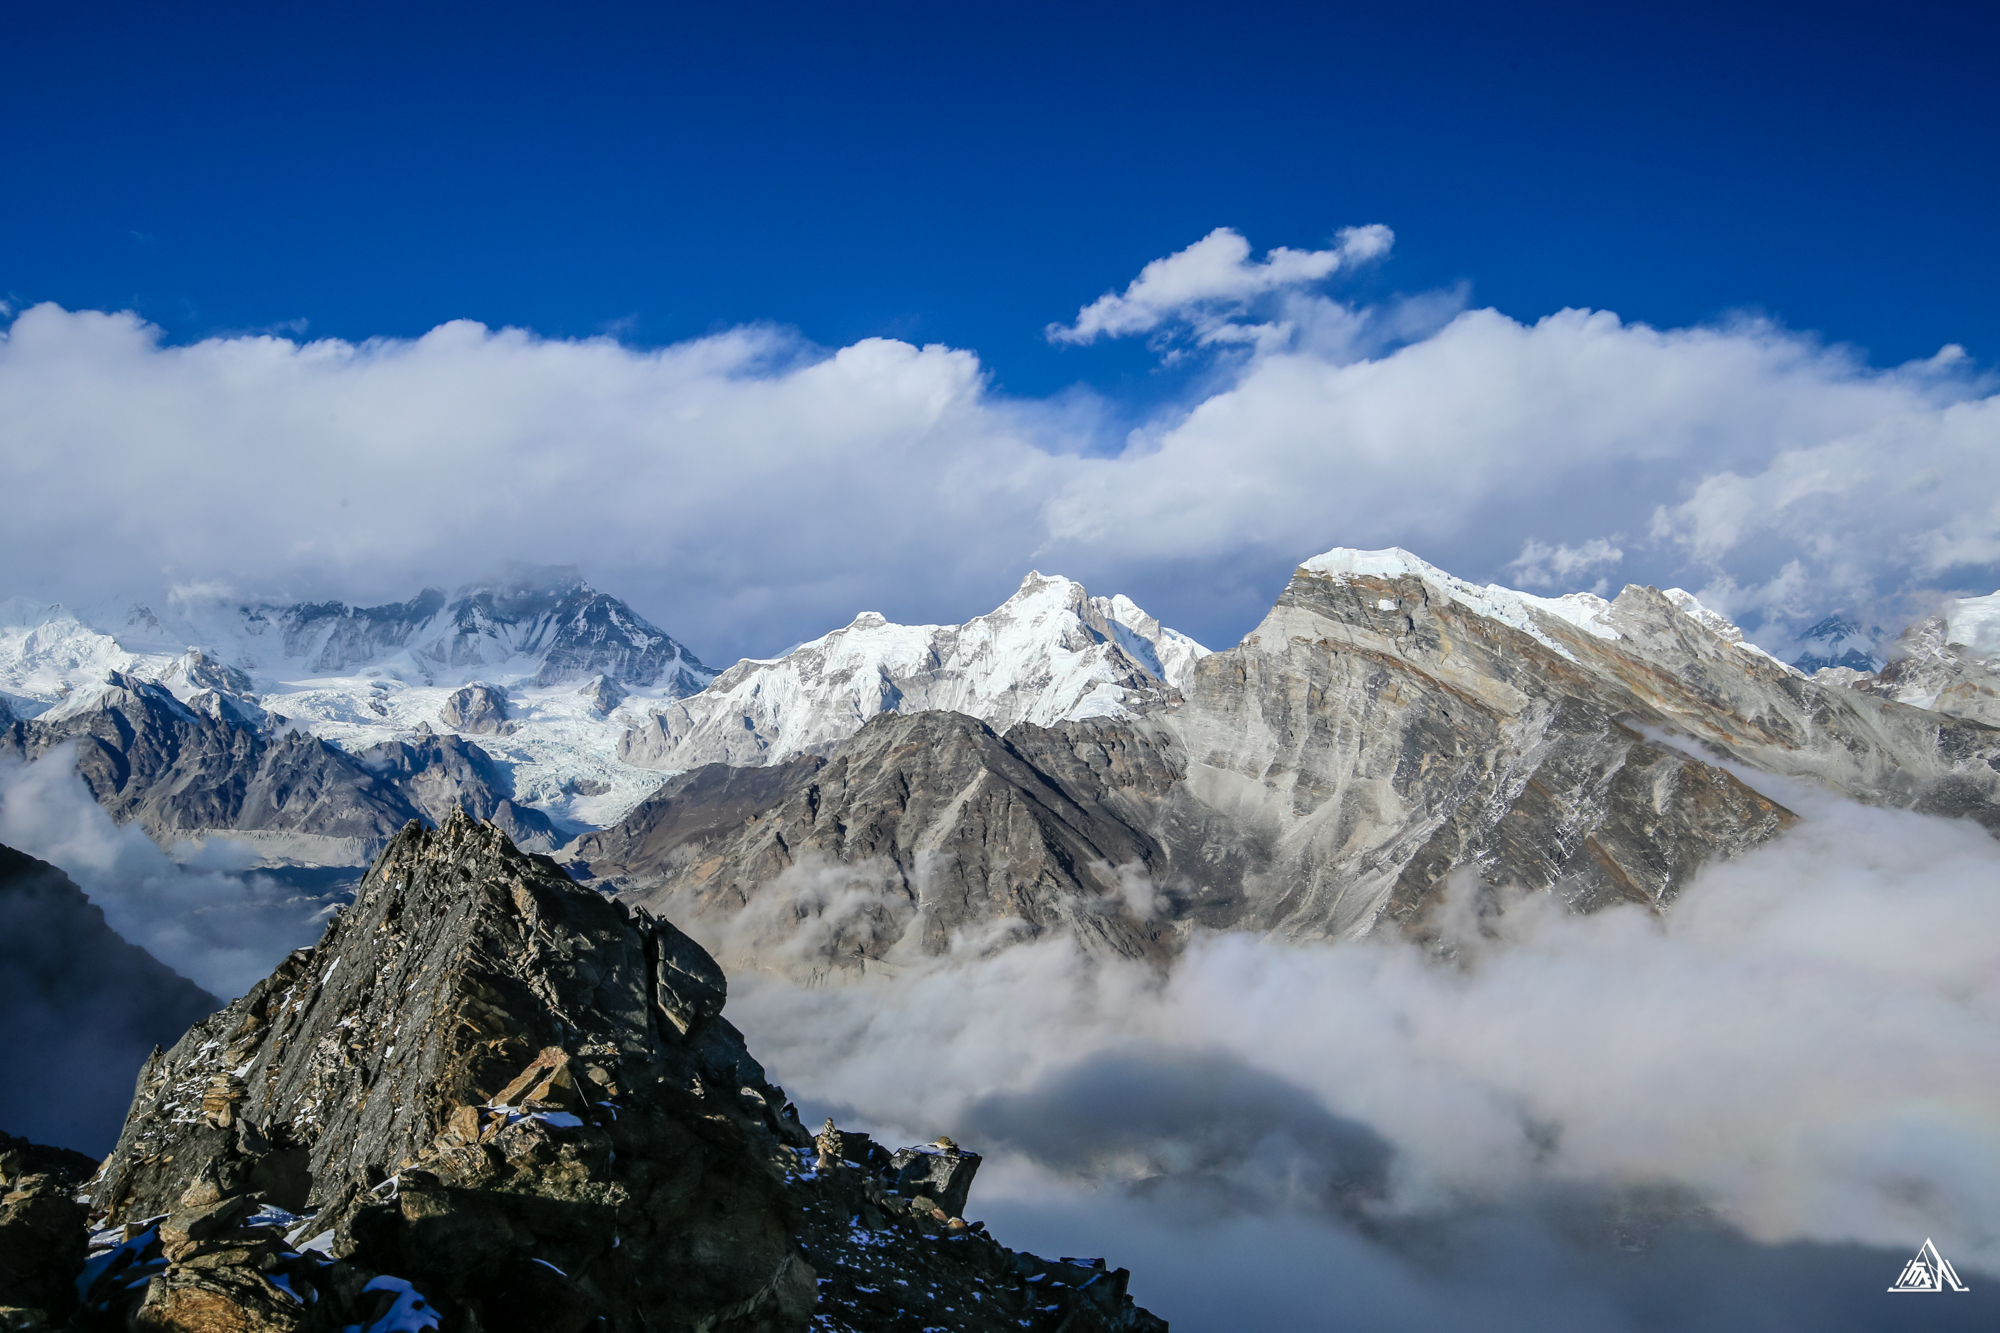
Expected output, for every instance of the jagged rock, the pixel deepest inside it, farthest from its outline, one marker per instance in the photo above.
(872, 1210)
(942, 825)
(478, 708)
(443, 773)
(604, 694)
(1385, 731)
(147, 756)
(199, 671)
(41, 1232)
(943, 1176)
(83, 1008)
(1930, 670)
(518, 1102)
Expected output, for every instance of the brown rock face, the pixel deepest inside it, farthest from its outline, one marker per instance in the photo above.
(512, 1100)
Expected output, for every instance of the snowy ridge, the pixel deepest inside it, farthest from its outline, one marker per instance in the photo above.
(1585, 611)
(360, 676)
(1049, 653)
(583, 675)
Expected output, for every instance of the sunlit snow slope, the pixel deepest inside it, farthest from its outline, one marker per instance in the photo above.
(1048, 653)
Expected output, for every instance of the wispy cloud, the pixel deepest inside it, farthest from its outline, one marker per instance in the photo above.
(1543, 566)
(1212, 280)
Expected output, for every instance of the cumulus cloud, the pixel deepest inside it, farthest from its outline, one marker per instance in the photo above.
(748, 490)
(1803, 1053)
(1212, 278)
(222, 928)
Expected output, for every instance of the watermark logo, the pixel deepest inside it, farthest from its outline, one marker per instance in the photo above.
(1929, 1271)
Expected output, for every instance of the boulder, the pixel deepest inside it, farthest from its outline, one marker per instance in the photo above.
(41, 1232)
(478, 708)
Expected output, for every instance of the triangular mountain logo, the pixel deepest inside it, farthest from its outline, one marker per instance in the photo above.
(1929, 1271)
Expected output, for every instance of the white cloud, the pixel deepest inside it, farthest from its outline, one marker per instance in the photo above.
(748, 490)
(220, 928)
(1543, 566)
(1809, 1045)
(1211, 278)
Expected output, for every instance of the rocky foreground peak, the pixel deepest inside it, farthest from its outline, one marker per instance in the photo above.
(492, 1099)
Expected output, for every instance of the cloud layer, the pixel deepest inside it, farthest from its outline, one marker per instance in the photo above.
(748, 490)
(221, 928)
(1809, 1046)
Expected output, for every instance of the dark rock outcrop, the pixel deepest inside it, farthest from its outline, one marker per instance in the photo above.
(147, 756)
(478, 708)
(41, 1233)
(82, 1008)
(946, 829)
(443, 773)
(515, 1101)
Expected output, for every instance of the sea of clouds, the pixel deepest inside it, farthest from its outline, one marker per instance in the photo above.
(748, 490)
(1744, 1114)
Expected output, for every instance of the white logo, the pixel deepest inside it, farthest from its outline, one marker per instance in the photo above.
(1929, 1271)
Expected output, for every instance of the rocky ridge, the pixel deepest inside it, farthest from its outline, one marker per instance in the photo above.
(191, 770)
(1948, 663)
(1387, 733)
(490, 1098)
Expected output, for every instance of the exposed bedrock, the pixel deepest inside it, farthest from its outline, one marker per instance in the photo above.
(509, 1101)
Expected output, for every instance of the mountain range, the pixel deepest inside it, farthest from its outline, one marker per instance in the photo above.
(1388, 739)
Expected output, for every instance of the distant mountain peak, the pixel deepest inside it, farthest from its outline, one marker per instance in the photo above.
(1049, 652)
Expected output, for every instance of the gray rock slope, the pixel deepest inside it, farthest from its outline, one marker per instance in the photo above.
(83, 1009)
(921, 828)
(1930, 670)
(183, 771)
(518, 1102)
(1386, 733)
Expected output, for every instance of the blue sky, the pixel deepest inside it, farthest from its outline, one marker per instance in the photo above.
(736, 194)
(966, 175)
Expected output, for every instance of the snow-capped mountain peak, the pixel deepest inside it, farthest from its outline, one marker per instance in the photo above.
(1047, 653)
